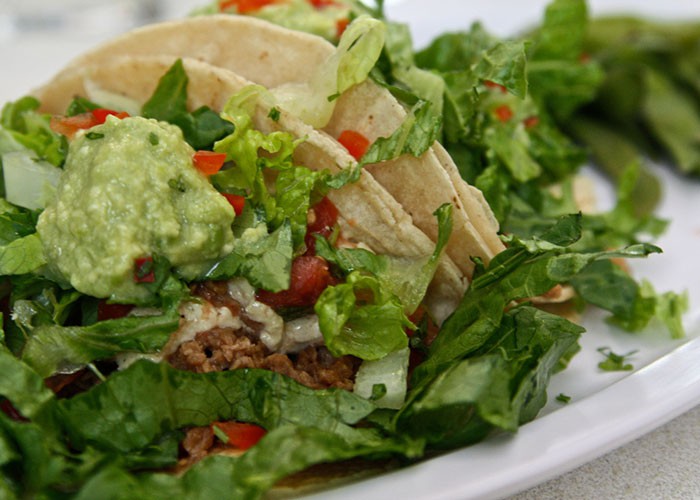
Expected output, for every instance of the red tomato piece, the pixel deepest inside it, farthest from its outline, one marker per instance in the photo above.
(244, 6)
(309, 278)
(322, 220)
(494, 85)
(208, 162)
(503, 113)
(8, 409)
(144, 272)
(241, 435)
(236, 200)
(69, 125)
(106, 310)
(101, 114)
(340, 26)
(322, 3)
(531, 121)
(356, 143)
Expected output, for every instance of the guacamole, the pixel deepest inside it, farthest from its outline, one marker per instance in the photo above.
(130, 191)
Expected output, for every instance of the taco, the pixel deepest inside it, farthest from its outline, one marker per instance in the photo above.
(292, 63)
(296, 287)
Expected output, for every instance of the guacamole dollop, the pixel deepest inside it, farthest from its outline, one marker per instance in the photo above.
(130, 191)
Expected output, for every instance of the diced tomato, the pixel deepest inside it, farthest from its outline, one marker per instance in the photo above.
(494, 85)
(8, 409)
(101, 114)
(241, 435)
(69, 125)
(531, 121)
(503, 113)
(323, 218)
(309, 278)
(356, 143)
(60, 381)
(106, 310)
(340, 26)
(419, 316)
(144, 271)
(237, 202)
(244, 6)
(322, 3)
(208, 162)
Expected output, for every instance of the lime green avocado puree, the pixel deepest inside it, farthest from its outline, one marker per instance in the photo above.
(130, 191)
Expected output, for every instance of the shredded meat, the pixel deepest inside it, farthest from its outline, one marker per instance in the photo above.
(197, 442)
(221, 349)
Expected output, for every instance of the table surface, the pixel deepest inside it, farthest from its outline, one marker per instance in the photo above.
(661, 464)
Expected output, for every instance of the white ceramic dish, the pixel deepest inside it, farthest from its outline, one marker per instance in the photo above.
(607, 409)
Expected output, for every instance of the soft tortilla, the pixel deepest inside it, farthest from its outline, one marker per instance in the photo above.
(272, 56)
(368, 214)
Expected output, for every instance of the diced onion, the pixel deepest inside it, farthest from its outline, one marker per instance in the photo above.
(391, 371)
(111, 100)
(28, 181)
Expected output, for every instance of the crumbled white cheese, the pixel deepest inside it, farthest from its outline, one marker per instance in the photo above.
(195, 317)
(272, 324)
(201, 316)
(300, 333)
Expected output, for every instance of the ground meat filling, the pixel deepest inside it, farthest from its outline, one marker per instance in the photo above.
(222, 349)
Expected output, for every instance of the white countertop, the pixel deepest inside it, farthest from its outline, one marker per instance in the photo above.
(661, 464)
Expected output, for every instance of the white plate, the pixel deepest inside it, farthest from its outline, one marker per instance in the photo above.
(607, 409)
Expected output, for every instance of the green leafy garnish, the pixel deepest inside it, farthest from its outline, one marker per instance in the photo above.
(615, 362)
(202, 127)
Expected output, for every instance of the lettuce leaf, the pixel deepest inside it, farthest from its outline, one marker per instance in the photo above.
(168, 399)
(54, 348)
(501, 386)
(26, 126)
(254, 155)
(22, 255)
(355, 56)
(202, 127)
(527, 268)
(361, 318)
(263, 258)
(407, 279)
(283, 451)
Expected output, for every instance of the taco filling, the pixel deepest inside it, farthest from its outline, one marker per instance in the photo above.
(206, 233)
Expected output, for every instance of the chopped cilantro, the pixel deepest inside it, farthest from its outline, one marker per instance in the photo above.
(563, 398)
(615, 362)
(223, 437)
(274, 114)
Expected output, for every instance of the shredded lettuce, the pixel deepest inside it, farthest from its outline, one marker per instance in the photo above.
(389, 374)
(32, 130)
(360, 317)
(28, 181)
(357, 52)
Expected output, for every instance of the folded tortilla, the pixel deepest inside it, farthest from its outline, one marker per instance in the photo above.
(369, 215)
(274, 56)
